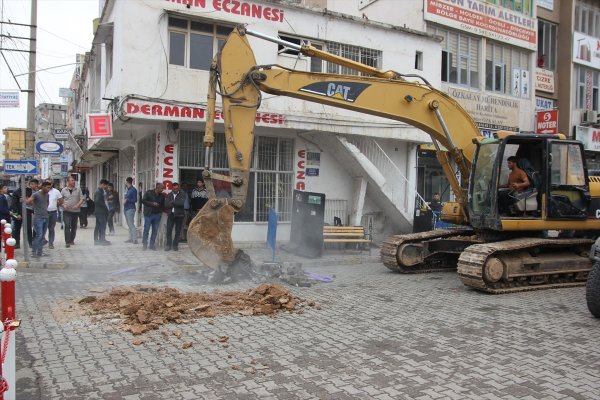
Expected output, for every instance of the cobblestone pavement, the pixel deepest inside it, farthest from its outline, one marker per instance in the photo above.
(378, 335)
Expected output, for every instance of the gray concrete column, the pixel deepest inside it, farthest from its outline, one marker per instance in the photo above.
(358, 200)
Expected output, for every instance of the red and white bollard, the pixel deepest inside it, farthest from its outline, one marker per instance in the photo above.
(8, 278)
(3, 239)
(6, 233)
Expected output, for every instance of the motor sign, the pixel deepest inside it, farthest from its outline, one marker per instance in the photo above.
(20, 167)
(547, 122)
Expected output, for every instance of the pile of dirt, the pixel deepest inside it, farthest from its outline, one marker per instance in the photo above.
(145, 308)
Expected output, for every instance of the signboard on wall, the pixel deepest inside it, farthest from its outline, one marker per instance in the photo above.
(99, 126)
(547, 122)
(590, 137)
(544, 80)
(485, 19)
(542, 104)
(489, 112)
(250, 9)
(134, 108)
(585, 50)
(9, 99)
(547, 4)
(166, 170)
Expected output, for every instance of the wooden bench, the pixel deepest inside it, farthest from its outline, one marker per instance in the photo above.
(346, 234)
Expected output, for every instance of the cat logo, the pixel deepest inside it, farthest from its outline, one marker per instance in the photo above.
(346, 91)
(337, 90)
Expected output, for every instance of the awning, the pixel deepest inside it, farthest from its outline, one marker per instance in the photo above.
(91, 158)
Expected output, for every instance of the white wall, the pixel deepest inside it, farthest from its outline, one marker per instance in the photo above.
(141, 64)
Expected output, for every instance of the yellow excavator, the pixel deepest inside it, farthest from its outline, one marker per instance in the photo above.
(506, 240)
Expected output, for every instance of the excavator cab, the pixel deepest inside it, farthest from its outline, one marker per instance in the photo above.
(558, 185)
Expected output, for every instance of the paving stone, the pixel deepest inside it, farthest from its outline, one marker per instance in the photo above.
(378, 335)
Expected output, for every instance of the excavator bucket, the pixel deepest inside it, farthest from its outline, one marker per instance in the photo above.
(209, 234)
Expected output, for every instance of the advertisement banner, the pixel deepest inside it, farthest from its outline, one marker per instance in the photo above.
(485, 19)
(590, 137)
(489, 112)
(544, 80)
(9, 99)
(585, 50)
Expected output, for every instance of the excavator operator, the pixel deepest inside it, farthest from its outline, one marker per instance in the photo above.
(517, 182)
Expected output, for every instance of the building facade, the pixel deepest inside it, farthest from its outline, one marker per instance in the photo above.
(150, 74)
(579, 86)
(499, 59)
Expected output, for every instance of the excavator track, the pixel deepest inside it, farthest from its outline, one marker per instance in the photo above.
(393, 247)
(524, 264)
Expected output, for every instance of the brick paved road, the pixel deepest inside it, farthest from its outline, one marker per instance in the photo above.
(379, 335)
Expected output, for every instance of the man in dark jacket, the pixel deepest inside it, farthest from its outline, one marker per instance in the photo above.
(101, 212)
(177, 203)
(154, 203)
(17, 205)
(4, 206)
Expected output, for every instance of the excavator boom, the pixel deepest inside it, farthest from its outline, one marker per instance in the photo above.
(386, 94)
(483, 256)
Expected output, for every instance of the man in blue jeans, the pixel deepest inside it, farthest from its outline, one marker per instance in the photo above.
(130, 198)
(39, 201)
(153, 202)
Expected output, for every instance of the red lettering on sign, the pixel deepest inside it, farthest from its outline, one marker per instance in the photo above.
(99, 125)
(168, 160)
(300, 176)
(191, 113)
(168, 172)
(169, 148)
(596, 136)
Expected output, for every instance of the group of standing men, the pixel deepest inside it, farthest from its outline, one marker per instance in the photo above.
(42, 204)
(44, 201)
(176, 204)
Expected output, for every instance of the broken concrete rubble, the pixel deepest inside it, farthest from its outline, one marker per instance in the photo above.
(142, 309)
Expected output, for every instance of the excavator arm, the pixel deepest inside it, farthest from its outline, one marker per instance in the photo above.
(388, 94)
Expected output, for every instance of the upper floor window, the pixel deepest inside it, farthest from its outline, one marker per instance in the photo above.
(587, 20)
(460, 57)
(193, 44)
(316, 64)
(546, 51)
(587, 89)
(506, 70)
(363, 55)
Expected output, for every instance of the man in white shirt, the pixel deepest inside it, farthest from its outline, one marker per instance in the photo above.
(55, 200)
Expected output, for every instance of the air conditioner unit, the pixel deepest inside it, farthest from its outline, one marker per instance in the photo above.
(590, 117)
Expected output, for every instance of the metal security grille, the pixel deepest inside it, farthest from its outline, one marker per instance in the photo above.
(336, 208)
(271, 175)
(274, 177)
(191, 150)
(361, 54)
